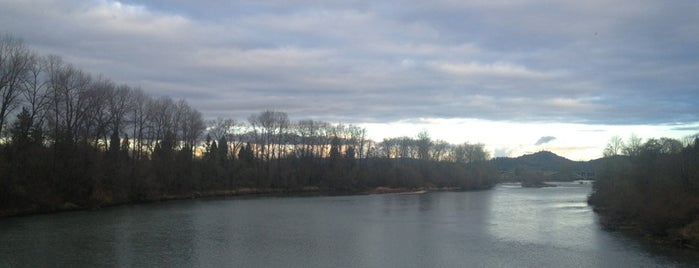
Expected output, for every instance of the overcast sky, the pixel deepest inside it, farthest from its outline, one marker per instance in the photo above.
(519, 76)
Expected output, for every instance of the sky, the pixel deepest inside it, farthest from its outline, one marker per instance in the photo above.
(518, 76)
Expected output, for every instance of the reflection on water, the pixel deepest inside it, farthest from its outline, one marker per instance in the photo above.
(547, 216)
(507, 226)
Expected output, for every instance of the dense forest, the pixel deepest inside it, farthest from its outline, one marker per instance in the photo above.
(71, 140)
(652, 186)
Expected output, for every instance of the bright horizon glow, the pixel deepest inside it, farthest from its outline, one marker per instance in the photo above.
(579, 142)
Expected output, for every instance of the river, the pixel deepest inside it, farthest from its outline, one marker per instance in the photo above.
(507, 226)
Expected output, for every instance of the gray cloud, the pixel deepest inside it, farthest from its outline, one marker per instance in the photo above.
(544, 140)
(369, 61)
(687, 128)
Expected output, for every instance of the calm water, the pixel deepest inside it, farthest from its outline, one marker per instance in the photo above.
(504, 227)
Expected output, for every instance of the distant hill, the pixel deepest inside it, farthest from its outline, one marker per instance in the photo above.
(552, 165)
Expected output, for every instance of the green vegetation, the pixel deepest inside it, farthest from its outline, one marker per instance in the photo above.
(69, 141)
(651, 186)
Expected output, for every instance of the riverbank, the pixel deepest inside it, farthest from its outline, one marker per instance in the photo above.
(653, 193)
(388, 190)
(241, 192)
(684, 237)
(537, 185)
(104, 201)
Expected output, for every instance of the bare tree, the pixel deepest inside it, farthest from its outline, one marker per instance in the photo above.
(282, 126)
(313, 138)
(670, 146)
(119, 103)
(633, 146)
(96, 127)
(387, 148)
(614, 147)
(190, 123)
(306, 130)
(338, 136)
(195, 128)
(407, 147)
(689, 140)
(477, 153)
(139, 120)
(424, 143)
(469, 153)
(15, 63)
(35, 92)
(160, 116)
(68, 88)
(269, 128)
(323, 139)
(440, 149)
(458, 153)
(357, 139)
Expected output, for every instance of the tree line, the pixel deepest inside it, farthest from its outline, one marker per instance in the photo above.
(72, 139)
(652, 185)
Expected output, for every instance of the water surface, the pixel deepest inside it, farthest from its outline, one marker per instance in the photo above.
(508, 226)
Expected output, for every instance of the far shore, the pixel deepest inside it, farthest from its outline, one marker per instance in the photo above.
(241, 192)
(537, 185)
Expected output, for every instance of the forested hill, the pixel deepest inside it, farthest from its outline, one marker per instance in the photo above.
(546, 162)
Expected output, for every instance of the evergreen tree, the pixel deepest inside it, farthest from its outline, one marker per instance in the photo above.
(222, 149)
(246, 153)
(21, 128)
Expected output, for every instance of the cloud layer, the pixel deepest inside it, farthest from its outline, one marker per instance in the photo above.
(544, 140)
(591, 62)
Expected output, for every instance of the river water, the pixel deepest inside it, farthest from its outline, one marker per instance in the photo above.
(507, 226)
